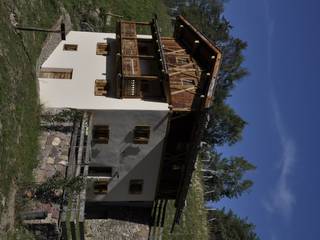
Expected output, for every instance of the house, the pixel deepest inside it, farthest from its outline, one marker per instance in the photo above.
(144, 99)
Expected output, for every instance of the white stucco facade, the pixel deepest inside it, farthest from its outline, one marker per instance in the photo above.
(129, 160)
(78, 92)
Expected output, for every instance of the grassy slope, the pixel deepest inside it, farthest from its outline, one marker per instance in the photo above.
(18, 93)
(193, 224)
(18, 96)
(139, 10)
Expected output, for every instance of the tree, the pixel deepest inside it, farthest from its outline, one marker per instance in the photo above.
(223, 177)
(225, 126)
(229, 226)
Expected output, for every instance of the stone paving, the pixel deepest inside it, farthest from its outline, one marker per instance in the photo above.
(53, 157)
(108, 229)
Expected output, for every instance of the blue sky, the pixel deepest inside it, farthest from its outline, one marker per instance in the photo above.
(279, 100)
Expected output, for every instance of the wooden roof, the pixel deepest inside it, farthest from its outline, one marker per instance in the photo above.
(203, 52)
(184, 75)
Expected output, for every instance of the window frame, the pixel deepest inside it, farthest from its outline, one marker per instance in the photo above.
(102, 48)
(100, 139)
(138, 133)
(70, 47)
(56, 73)
(100, 87)
(134, 183)
(100, 186)
(100, 171)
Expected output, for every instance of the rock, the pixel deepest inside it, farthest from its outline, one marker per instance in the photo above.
(13, 19)
(56, 141)
(50, 160)
(28, 194)
(64, 158)
(3, 201)
(63, 163)
(58, 192)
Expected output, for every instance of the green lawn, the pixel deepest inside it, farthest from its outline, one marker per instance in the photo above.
(193, 223)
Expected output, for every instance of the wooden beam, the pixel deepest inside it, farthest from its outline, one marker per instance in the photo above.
(129, 38)
(176, 51)
(137, 23)
(190, 90)
(181, 66)
(139, 56)
(181, 109)
(183, 72)
(167, 38)
(140, 77)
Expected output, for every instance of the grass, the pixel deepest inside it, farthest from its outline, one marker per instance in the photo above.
(19, 117)
(139, 10)
(193, 223)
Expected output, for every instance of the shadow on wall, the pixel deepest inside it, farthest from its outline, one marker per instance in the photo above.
(128, 138)
(130, 151)
(146, 169)
(94, 152)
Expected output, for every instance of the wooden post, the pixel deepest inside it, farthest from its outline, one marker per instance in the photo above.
(63, 31)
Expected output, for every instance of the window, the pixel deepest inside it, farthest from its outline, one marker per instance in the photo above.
(100, 187)
(102, 49)
(57, 73)
(100, 134)
(141, 134)
(100, 171)
(136, 186)
(100, 88)
(70, 47)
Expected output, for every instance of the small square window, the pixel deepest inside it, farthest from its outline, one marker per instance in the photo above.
(100, 88)
(100, 171)
(100, 134)
(136, 186)
(70, 47)
(102, 49)
(141, 134)
(100, 187)
(56, 73)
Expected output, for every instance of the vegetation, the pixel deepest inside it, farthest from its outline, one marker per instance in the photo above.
(19, 118)
(228, 226)
(225, 177)
(92, 14)
(193, 224)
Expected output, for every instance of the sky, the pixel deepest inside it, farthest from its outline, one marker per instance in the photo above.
(279, 100)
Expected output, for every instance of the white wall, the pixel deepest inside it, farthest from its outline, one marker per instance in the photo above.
(78, 92)
(132, 161)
